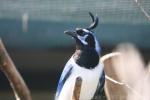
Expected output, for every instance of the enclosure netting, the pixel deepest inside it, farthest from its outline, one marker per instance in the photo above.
(128, 12)
(110, 11)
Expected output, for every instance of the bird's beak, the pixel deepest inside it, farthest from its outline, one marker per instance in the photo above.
(71, 33)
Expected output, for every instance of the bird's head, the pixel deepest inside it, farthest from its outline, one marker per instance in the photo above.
(84, 37)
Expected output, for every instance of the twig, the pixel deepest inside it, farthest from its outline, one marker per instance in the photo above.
(124, 84)
(77, 89)
(114, 81)
(17, 83)
(142, 9)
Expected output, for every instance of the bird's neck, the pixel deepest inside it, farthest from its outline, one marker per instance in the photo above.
(87, 58)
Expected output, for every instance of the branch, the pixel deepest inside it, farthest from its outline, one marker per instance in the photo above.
(142, 10)
(77, 88)
(123, 84)
(17, 83)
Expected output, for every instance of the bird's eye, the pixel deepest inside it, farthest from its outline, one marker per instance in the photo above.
(79, 32)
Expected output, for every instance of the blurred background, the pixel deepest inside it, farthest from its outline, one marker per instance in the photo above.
(32, 31)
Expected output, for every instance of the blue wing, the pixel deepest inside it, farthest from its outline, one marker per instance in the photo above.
(100, 86)
(64, 76)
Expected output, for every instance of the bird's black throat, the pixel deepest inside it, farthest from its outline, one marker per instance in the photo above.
(87, 58)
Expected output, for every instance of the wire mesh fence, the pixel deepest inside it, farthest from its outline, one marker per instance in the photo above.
(47, 19)
(110, 11)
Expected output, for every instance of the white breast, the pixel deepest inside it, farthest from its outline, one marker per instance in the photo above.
(90, 79)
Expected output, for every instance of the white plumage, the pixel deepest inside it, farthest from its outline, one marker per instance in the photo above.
(90, 81)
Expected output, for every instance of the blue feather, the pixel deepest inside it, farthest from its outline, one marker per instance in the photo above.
(64, 76)
(100, 86)
(102, 82)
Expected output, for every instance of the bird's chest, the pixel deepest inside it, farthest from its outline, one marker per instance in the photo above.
(88, 58)
(90, 79)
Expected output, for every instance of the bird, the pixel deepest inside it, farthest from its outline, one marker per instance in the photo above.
(83, 63)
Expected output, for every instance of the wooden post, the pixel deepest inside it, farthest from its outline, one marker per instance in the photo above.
(17, 83)
(77, 88)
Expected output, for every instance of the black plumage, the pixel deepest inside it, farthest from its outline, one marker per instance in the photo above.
(87, 58)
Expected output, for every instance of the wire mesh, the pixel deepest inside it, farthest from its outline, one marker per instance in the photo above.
(110, 11)
(45, 20)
